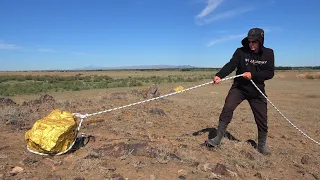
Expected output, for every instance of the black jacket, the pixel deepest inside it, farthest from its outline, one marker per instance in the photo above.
(261, 66)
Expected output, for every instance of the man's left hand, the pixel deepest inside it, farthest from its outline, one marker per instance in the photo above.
(247, 75)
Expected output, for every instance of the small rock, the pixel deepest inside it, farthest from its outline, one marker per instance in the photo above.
(303, 142)
(179, 140)
(79, 178)
(112, 169)
(175, 157)
(123, 157)
(93, 155)
(308, 176)
(53, 177)
(195, 171)
(207, 167)
(157, 111)
(182, 172)
(181, 177)
(3, 147)
(138, 164)
(16, 170)
(284, 136)
(270, 136)
(222, 169)
(258, 175)
(301, 171)
(247, 154)
(29, 161)
(3, 156)
(314, 175)
(183, 146)
(149, 124)
(214, 176)
(117, 177)
(51, 162)
(152, 177)
(194, 164)
(306, 159)
(12, 122)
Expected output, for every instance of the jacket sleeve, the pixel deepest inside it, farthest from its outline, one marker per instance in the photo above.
(231, 65)
(268, 71)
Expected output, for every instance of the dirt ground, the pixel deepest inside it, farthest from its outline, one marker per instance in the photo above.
(163, 139)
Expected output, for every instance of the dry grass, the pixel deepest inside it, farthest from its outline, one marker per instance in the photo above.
(309, 75)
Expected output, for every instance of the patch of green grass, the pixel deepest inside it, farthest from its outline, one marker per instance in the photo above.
(18, 84)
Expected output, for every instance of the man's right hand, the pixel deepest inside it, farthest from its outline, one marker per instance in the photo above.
(216, 80)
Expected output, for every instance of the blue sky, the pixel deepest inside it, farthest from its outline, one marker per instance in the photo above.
(41, 35)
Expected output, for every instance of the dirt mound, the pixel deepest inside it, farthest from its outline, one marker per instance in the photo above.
(157, 111)
(150, 92)
(44, 99)
(47, 99)
(6, 102)
(119, 95)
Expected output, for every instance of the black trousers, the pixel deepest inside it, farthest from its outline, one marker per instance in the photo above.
(258, 106)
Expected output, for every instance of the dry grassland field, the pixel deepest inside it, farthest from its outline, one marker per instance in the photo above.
(161, 139)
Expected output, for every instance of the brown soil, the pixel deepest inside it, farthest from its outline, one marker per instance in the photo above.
(163, 139)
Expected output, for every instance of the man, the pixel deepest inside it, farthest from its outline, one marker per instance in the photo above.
(256, 63)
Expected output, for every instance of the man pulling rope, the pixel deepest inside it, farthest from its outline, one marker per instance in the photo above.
(256, 63)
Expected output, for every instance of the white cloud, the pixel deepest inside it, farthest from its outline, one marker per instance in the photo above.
(46, 50)
(227, 38)
(225, 15)
(207, 14)
(5, 46)
(211, 6)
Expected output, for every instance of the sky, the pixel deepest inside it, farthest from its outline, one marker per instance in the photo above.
(60, 34)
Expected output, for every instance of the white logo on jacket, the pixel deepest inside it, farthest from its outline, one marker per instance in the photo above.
(254, 62)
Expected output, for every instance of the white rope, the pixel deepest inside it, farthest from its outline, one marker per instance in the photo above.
(82, 117)
(284, 115)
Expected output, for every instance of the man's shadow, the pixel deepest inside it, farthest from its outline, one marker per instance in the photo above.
(212, 133)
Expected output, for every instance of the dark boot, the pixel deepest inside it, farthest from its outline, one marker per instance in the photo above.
(262, 145)
(220, 133)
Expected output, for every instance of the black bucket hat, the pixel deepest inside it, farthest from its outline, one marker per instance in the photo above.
(256, 33)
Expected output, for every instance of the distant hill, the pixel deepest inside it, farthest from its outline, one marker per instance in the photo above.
(137, 67)
(186, 67)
